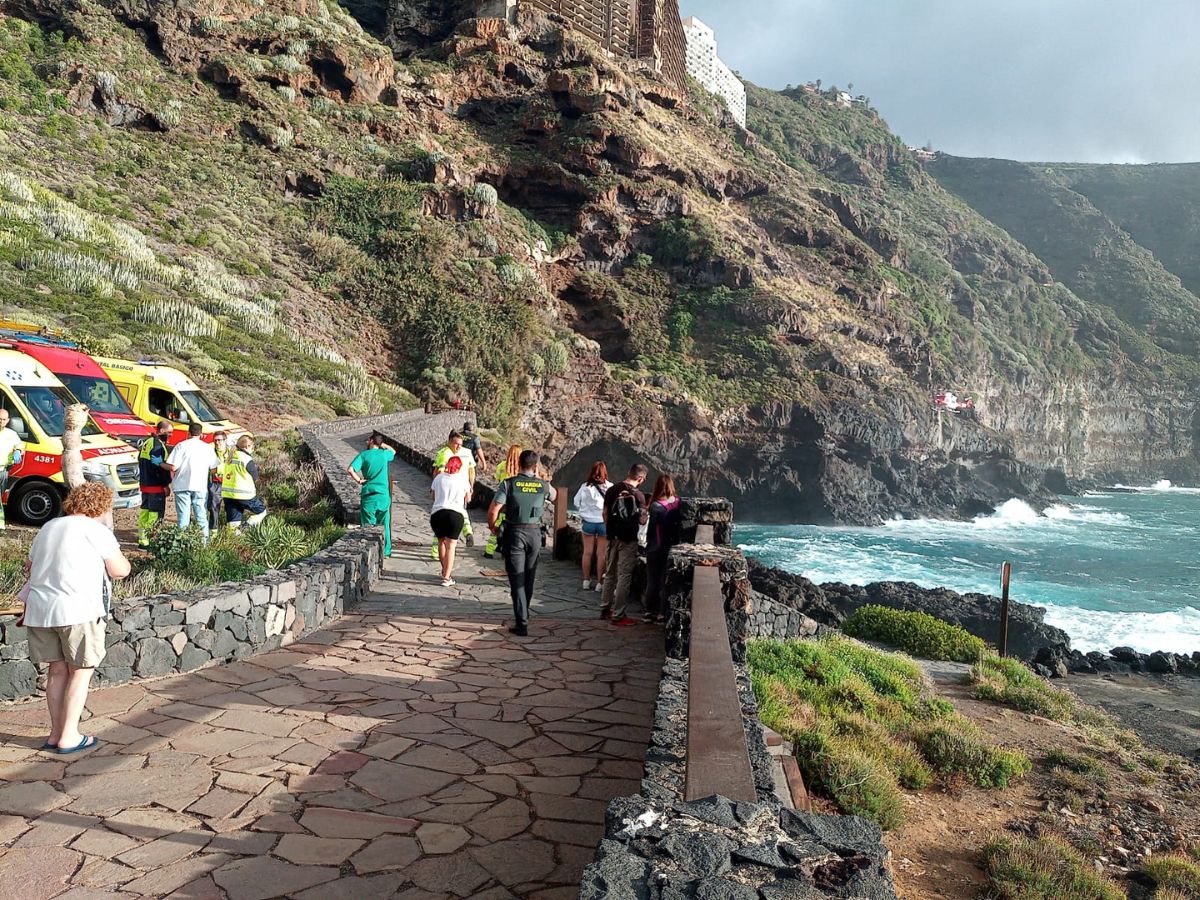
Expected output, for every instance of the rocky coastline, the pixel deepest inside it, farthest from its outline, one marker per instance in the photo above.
(1045, 648)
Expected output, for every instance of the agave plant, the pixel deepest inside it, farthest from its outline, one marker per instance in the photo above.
(275, 543)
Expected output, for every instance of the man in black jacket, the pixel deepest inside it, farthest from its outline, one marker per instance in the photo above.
(624, 514)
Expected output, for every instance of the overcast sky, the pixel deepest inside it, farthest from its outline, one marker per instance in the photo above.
(1041, 80)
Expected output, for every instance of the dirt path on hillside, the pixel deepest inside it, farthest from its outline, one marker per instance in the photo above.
(938, 854)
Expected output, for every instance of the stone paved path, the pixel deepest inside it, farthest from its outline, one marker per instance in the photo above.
(414, 749)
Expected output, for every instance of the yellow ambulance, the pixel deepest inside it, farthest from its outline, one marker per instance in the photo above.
(36, 402)
(156, 392)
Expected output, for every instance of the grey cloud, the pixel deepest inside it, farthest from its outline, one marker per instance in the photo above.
(1069, 80)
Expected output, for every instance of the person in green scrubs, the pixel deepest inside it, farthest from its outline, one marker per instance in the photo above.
(370, 470)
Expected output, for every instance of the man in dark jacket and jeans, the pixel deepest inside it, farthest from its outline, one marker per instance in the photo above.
(522, 497)
(624, 514)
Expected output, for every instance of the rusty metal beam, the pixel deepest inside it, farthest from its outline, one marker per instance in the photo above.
(717, 759)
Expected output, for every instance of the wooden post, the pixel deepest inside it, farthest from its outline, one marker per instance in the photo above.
(1005, 577)
(560, 518)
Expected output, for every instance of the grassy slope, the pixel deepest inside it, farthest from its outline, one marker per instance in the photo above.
(1158, 206)
(1083, 247)
(185, 201)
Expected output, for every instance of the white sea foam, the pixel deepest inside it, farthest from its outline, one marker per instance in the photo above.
(1112, 571)
(1175, 631)
(1162, 486)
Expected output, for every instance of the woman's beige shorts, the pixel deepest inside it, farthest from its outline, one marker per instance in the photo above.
(80, 645)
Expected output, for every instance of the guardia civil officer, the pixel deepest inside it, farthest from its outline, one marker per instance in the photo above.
(522, 498)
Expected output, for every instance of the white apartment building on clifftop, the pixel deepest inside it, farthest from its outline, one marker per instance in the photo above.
(706, 67)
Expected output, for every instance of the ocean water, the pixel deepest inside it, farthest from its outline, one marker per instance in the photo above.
(1112, 569)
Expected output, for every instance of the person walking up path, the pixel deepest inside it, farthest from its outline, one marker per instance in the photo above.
(624, 514)
(451, 492)
(522, 497)
(661, 536)
(589, 500)
(71, 564)
(371, 469)
(510, 465)
(239, 486)
(471, 442)
(454, 448)
(154, 479)
(191, 464)
(12, 449)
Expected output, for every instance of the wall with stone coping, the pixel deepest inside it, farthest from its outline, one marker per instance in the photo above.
(658, 845)
(171, 633)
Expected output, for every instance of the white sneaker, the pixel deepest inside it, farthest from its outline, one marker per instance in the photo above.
(587, 584)
(449, 582)
(599, 587)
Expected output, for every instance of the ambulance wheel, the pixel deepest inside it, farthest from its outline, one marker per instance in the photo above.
(36, 502)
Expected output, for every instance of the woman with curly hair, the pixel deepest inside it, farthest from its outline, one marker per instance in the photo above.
(71, 564)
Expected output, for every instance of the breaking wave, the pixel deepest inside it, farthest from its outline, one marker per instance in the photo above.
(1111, 569)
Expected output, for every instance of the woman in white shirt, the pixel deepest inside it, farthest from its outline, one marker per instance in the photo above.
(589, 500)
(451, 492)
(71, 562)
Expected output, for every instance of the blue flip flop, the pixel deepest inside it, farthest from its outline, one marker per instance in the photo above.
(83, 745)
(49, 746)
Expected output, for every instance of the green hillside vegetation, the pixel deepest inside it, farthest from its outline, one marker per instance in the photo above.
(1083, 247)
(977, 292)
(1157, 205)
(312, 227)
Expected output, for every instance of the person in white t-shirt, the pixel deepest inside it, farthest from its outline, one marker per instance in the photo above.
(191, 464)
(454, 448)
(451, 492)
(12, 448)
(71, 563)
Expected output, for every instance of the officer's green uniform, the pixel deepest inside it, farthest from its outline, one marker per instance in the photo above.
(489, 546)
(375, 500)
(439, 465)
(522, 497)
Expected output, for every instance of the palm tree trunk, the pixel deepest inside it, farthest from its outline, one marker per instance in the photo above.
(72, 460)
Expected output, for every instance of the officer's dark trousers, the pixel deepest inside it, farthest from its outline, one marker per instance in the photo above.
(522, 546)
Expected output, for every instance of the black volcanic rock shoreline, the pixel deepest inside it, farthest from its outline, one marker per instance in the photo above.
(1045, 648)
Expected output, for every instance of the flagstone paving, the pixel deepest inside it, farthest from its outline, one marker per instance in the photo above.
(413, 749)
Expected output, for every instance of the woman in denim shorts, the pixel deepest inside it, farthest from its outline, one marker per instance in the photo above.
(589, 500)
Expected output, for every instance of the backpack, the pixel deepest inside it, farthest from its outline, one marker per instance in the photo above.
(625, 514)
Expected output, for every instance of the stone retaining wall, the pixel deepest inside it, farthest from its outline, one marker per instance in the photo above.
(166, 634)
(658, 845)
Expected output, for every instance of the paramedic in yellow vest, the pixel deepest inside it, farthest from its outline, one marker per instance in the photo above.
(12, 449)
(239, 488)
(454, 447)
(154, 478)
(511, 463)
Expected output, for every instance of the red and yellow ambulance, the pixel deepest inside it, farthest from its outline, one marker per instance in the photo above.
(156, 392)
(36, 401)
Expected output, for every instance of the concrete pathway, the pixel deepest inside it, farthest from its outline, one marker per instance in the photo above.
(414, 749)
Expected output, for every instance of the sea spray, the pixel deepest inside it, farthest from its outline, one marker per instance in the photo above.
(1111, 569)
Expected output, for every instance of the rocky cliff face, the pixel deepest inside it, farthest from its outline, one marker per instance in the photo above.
(604, 266)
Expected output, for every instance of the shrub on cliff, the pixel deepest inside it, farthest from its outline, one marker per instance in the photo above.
(1007, 681)
(915, 632)
(1044, 868)
(1173, 872)
(865, 726)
